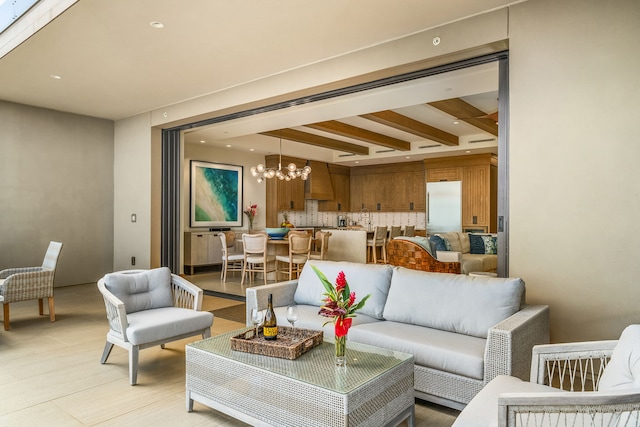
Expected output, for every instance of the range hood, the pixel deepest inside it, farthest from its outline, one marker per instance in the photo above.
(318, 185)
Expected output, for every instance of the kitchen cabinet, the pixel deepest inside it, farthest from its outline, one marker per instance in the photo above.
(282, 195)
(398, 187)
(202, 248)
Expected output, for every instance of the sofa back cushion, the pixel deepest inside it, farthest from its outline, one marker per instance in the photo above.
(452, 302)
(141, 290)
(363, 279)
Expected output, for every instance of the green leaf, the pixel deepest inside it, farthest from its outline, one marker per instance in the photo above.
(325, 282)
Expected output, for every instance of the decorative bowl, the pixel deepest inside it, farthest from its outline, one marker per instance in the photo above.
(277, 233)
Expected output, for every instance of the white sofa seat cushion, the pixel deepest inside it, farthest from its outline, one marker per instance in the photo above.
(482, 411)
(452, 302)
(363, 279)
(142, 290)
(445, 351)
(308, 318)
(162, 323)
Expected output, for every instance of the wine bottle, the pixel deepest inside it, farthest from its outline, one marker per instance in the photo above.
(270, 325)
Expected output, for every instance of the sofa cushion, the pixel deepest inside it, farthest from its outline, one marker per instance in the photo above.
(363, 279)
(623, 370)
(445, 351)
(453, 238)
(142, 290)
(490, 244)
(476, 244)
(441, 244)
(452, 302)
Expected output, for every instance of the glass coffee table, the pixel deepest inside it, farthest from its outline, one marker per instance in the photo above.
(374, 389)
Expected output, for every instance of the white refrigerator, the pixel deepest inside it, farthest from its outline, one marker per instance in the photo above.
(444, 206)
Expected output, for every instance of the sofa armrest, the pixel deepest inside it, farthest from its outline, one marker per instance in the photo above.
(258, 296)
(510, 342)
(449, 256)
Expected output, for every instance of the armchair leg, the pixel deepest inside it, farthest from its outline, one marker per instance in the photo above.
(133, 365)
(105, 353)
(52, 310)
(6, 316)
(40, 307)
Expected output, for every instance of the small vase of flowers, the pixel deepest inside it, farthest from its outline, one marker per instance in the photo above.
(251, 211)
(340, 305)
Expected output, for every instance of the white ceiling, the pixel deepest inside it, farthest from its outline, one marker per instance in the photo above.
(114, 64)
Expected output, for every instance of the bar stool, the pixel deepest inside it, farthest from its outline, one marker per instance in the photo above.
(379, 240)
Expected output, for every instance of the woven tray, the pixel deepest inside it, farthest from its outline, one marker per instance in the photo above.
(291, 342)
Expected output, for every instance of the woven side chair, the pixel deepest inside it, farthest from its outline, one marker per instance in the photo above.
(27, 283)
(594, 384)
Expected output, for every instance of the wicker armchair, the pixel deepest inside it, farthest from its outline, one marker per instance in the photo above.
(404, 253)
(27, 283)
(146, 308)
(572, 384)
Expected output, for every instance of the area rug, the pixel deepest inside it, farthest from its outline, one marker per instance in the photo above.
(235, 313)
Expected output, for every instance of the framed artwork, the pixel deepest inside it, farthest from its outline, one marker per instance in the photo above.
(216, 194)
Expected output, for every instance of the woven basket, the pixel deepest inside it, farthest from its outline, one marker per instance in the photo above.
(291, 342)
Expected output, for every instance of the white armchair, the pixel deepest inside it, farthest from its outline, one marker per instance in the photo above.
(150, 307)
(574, 384)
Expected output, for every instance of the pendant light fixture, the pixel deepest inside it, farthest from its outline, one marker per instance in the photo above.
(291, 172)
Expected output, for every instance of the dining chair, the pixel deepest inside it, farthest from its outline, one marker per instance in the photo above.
(28, 283)
(299, 250)
(231, 260)
(395, 231)
(409, 230)
(322, 240)
(379, 240)
(256, 258)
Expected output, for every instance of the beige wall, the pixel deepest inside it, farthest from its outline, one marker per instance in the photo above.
(56, 183)
(574, 195)
(573, 199)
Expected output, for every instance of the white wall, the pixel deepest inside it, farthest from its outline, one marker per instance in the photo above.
(574, 152)
(132, 184)
(56, 183)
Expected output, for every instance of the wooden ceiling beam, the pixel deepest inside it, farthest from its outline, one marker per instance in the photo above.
(466, 112)
(349, 131)
(407, 124)
(317, 140)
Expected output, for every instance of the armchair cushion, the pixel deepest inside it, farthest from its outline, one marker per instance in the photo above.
(165, 323)
(623, 370)
(143, 290)
(363, 279)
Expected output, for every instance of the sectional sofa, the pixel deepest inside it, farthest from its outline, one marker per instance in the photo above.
(462, 331)
(475, 252)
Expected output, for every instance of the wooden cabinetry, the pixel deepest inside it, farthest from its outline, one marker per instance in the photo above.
(202, 248)
(282, 195)
(340, 181)
(478, 174)
(398, 187)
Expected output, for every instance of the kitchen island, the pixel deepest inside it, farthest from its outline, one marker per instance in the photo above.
(347, 245)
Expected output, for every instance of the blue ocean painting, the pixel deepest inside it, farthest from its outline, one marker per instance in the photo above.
(216, 194)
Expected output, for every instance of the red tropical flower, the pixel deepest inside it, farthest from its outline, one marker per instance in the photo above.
(342, 326)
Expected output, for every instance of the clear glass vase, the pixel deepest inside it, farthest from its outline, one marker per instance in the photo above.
(341, 348)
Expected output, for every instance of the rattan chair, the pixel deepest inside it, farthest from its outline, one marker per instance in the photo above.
(322, 240)
(593, 384)
(409, 230)
(299, 250)
(256, 259)
(395, 231)
(379, 240)
(27, 283)
(231, 261)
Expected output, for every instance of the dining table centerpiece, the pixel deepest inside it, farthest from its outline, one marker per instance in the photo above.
(251, 211)
(339, 304)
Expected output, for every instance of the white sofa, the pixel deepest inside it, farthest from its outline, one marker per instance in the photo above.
(462, 331)
(460, 250)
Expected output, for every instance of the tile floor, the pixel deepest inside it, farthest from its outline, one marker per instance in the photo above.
(50, 373)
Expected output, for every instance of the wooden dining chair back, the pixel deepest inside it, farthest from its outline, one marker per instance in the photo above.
(409, 230)
(322, 245)
(379, 240)
(395, 231)
(256, 258)
(231, 260)
(299, 250)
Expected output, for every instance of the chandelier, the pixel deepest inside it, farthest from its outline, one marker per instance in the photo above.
(291, 172)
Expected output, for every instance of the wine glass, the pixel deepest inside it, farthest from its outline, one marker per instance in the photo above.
(256, 319)
(292, 315)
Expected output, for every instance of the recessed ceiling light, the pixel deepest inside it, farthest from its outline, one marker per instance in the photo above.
(356, 162)
(156, 24)
(455, 122)
(408, 157)
(202, 141)
(55, 76)
(228, 146)
(251, 149)
(468, 151)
